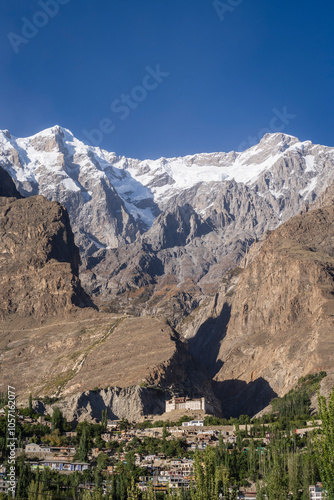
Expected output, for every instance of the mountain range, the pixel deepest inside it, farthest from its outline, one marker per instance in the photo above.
(157, 236)
(222, 261)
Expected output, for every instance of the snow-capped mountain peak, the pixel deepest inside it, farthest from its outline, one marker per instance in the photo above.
(111, 198)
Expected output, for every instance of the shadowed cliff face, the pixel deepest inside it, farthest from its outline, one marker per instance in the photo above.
(281, 323)
(38, 259)
(7, 186)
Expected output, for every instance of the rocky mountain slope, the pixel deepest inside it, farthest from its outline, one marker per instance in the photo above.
(272, 322)
(156, 236)
(130, 364)
(38, 258)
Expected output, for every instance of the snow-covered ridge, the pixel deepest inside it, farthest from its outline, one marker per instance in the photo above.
(103, 185)
(179, 173)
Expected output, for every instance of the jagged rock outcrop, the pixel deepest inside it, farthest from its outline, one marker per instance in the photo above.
(182, 257)
(132, 403)
(327, 198)
(39, 261)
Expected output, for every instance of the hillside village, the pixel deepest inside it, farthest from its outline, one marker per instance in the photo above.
(162, 455)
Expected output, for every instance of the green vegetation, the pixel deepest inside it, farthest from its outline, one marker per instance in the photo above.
(48, 401)
(295, 405)
(59, 381)
(324, 443)
(57, 420)
(243, 419)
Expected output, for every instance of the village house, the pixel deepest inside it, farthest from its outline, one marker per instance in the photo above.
(247, 495)
(71, 434)
(304, 431)
(42, 420)
(36, 448)
(112, 424)
(317, 492)
(193, 423)
(106, 436)
(60, 465)
(176, 473)
(42, 452)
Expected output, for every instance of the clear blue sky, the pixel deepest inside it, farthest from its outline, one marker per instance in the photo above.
(225, 75)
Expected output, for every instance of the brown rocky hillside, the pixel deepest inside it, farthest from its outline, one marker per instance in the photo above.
(277, 323)
(38, 259)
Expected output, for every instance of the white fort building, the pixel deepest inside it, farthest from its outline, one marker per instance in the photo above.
(188, 404)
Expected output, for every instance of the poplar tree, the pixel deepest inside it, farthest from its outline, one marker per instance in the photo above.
(324, 444)
(132, 492)
(57, 419)
(83, 446)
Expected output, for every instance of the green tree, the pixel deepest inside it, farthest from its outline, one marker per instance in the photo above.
(293, 473)
(149, 494)
(199, 478)
(57, 419)
(324, 443)
(24, 477)
(103, 460)
(83, 445)
(104, 418)
(97, 479)
(132, 491)
(124, 424)
(36, 491)
(165, 432)
(222, 481)
(252, 460)
(275, 477)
